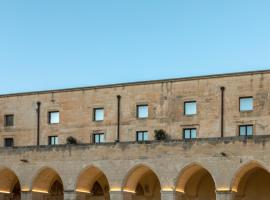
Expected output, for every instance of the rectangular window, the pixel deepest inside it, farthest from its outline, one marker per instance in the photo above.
(98, 114)
(98, 138)
(142, 111)
(246, 103)
(246, 130)
(190, 108)
(190, 133)
(54, 117)
(9, 120)
(8, 142)
(142, 136)
(53, 140)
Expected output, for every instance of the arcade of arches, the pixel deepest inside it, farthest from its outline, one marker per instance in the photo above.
(194, 182)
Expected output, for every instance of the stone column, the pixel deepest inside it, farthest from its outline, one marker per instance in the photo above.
(26, 195)
(70, 195)
(167, 195)
(226, 195)
(116, 195)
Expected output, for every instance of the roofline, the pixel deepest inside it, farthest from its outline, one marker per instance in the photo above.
(138, 83)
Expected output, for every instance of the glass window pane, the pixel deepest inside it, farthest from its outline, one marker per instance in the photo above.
(96, 138)
(145, 136)
(54, 117)
(190, 108)
(246, 104)
(56, 140)
(187, 134)
(242, 130)
(193, 133)
(102, 138)
(99, 114)
(143, 111)
(140, 136)
(249, 130)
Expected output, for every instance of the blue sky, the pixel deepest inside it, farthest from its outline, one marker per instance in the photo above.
(49, 44)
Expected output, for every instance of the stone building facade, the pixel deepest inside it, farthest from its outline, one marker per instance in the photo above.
(216, 145)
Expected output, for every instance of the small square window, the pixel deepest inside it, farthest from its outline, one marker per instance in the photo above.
(9, 120)
(54, 117)
(190, 108)
(246, 103)
(53, 140)
(246, 130)
(190, 133)
(142, 136)
(98, 114)
(8, 142)
(142, 111)
(98, 138)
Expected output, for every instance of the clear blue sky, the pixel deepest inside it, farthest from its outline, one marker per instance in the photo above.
(49, 44)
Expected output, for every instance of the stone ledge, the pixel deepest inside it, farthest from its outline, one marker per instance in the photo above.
(258, 139)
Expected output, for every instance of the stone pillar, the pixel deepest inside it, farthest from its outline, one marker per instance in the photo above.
(116, 195)
(70, 195)
(226, 195)
(167, 195)
(26, 195)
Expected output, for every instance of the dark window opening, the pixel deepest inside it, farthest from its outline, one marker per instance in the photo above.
(8, 142)
(9, 120)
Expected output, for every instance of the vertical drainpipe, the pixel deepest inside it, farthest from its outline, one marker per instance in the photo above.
(38, 121)
(118, 117)
(222, 89)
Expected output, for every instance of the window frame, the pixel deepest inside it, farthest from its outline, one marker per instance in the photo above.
(94, 114)
(5, 120)
(246, 97)
(245, 125)
(49, 117)
(189, 129)
(94, 138)
(49, 140)
(186, 102)
(138, 109)
(143, 132)
(11, 139)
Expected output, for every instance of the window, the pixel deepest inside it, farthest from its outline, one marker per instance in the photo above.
(9, 120)
(8, 142)
(54, 117)
(142, 111)
(142, 136)
(98, 114)
(190, 108)
(99, 138)
(190, 133)
(246, 103)
(246, 130)
(53, 140)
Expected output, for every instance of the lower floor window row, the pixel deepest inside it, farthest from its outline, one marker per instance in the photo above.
(141, 136)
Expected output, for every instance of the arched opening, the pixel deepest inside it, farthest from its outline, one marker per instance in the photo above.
(9, 185)
(252, 182)
(142, 184)
(48, 185)
(195, 182)
(92, 184)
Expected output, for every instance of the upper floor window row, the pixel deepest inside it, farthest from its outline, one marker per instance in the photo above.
(190, 108)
